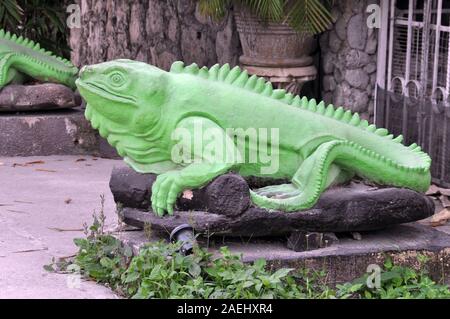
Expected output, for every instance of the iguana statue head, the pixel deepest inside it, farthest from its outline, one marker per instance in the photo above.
(124, 99)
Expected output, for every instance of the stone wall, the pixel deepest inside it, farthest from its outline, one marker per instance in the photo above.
(349, 58)
(160, 32)
(154, 31)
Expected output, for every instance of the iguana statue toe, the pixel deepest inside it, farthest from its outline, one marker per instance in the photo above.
(165, 192)
(193, 124)
(21, 57)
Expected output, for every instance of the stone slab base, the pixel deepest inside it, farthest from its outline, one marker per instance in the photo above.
(64, 132)
(223, 207)
(38, 97)
(343, 261)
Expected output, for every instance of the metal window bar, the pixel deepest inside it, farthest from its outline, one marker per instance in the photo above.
(414, 100)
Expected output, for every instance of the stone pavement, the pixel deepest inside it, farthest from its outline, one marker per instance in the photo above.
(43, 206)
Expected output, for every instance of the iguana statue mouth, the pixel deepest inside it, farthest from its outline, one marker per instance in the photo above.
(105, 93)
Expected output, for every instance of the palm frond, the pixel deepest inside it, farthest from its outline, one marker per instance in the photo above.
(216, 9)
(310, 16)
(271, 10)
(40, 20)
(10, 14)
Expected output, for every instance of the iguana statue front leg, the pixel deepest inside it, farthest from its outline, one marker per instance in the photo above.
(206, 162)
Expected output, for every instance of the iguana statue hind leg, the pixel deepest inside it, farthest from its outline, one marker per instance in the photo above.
(320, 170)
(8, 74)
(336, 175)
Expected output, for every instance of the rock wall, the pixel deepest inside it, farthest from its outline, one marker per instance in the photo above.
(153, 31)
(160, 32)
(349, 58)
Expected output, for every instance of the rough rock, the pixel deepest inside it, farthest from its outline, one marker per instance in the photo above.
(337, 73)
(355, 59)
(329, 84)
(341, 28)
(357, 78)
(334, 42)
(342, 93)
(370, 68)
(353, 207)
(357, 32)
(328, 63)
(48, 96)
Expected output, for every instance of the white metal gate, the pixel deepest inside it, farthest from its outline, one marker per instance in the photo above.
(414, 77)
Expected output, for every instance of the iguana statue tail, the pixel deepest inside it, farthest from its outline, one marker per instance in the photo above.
(20, 56)
(338, 160)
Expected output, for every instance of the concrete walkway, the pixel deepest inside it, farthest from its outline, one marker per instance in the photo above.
(44, 202)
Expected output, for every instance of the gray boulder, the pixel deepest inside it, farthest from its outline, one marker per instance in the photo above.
(48, 96)
(223, 207)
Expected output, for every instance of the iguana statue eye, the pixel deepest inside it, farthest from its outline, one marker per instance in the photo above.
(117, 79)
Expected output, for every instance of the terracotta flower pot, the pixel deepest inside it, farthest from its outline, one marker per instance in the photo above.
(272, 44)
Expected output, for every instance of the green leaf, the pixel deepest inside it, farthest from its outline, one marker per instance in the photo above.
(131, 277)
(390, 275)
(128, 252)
(388, 263)
(281, 273)
(156, 272)
(367, 294)
(248, 284)
(80, 242)
(260, 263)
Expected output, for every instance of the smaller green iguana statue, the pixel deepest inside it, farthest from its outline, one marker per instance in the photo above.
(21, 57)
(146, 114)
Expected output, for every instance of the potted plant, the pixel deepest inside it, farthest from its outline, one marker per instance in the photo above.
(274, 33)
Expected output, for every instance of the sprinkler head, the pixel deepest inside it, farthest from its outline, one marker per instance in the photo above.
(185, 234)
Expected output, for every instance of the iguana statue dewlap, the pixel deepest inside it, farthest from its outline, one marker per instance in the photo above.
(137, 107)
(20, 56)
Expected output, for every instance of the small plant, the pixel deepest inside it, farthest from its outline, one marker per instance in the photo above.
(397, 282)
(309, 16)
(100, 256)
(201, 276)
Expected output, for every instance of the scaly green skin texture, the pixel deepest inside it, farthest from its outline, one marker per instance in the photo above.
(21, 57)
(137, 108)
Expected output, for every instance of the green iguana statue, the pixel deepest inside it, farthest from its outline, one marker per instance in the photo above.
(146, 113)
(21, 57)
